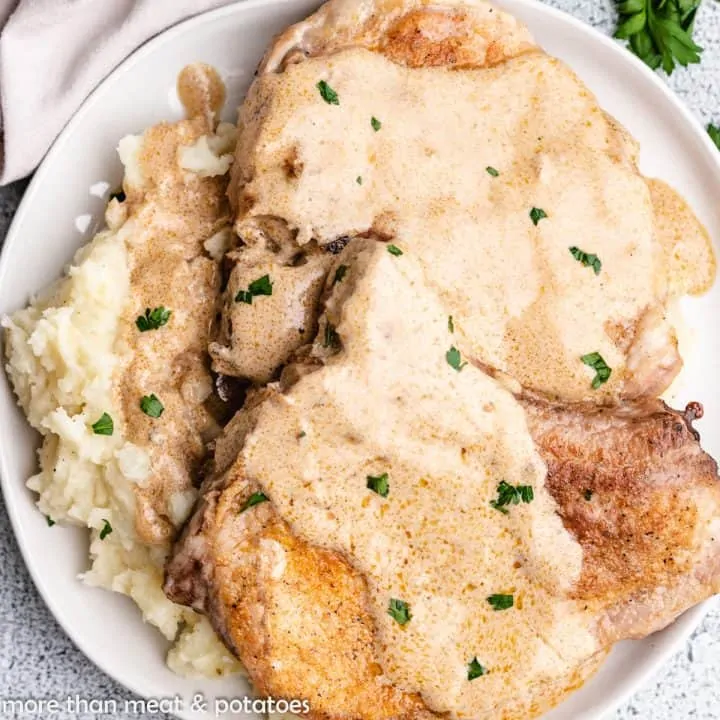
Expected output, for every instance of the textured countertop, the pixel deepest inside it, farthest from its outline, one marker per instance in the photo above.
(37, 660)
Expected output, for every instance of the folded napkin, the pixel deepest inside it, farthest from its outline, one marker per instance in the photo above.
(54, 52)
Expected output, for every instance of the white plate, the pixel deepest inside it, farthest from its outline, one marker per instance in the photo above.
(59, 213)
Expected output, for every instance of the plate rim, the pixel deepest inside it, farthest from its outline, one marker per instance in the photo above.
(27, 201)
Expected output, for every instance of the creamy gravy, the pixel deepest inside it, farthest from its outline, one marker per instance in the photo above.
(526, 305)
(389, 402)
(173, 212)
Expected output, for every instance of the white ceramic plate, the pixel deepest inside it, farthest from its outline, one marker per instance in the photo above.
(61, 211)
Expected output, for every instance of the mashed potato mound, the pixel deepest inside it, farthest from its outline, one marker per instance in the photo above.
(62, 353)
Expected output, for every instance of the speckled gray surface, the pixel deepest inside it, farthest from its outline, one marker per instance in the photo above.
(37, 659)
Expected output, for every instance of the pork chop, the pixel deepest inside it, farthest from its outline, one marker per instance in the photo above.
(395, 472)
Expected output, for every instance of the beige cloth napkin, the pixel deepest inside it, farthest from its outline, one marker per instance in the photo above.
(54, 52)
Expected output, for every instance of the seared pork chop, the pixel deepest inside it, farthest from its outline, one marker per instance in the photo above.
(443, 129)
(632, 485)
(397, 472)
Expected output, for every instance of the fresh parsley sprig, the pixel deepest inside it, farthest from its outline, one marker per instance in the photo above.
(660, 32)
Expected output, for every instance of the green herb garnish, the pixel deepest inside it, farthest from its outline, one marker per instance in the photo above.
(152, 319)
(358, 179)
(660, 31)
(332, 339)
(602, 371)
(491, 171)
(588, 494)
(587, 259)
(451, 324)
(394, 250)
(327, 93)
(475, 669)
(511, 495)
(376, 124)
(714, 133)
(105, 530)
(454, 359)
(104, 426)
(379, 484)
(399, 610)
(255, 499)
(536, 215)
(49, 520)
(262, 286)
(151, 406)
(340, 274)
(501, 602)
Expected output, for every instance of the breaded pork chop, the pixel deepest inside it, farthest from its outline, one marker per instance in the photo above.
(632, 485)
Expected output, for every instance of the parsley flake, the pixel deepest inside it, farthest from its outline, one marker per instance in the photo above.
(340, 274)
(152, 319)
(358, 179)
(104, 426)
(394, 250)
(451, 324)
(379, 484)
(332, 339)
(602, 371)
(491, 171)
(588, 494)
(376, 124)
(262, 286)
(151, 406)
(475, 669)
(587, 259)
(49, 520)
(327, 93)
(501, 602)
(511, 495)
(399, 611)
(105, 530)
(714, 133)
(536, 215)
(255, 499)
(454, 359)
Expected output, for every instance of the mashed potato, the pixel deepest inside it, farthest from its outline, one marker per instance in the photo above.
(63, 351)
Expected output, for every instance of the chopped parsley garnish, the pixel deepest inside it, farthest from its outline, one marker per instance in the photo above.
(602, 371)
(475, 669)
(255, 499)
(50, 521)
(451, 324)
(327, 93)
(153, 319)
(262, 286)
(358, 179)
(301, 434)
(340, 274)
(379, 484)
(118, 195)
(491, 171)
(536, 215)
(399, 610)
(332, 339)
(454, 359)
(714, 133)
(151, 406)
(511, 495)
(376, 124)
(501, 602)
(588, 494)
(104, 426)
(105, 530)
(394, 250)
(587, 259)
